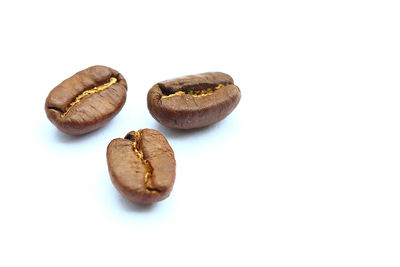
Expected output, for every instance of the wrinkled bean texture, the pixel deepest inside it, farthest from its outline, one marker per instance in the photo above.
(87, 100)
(142, 166)
(193, 101)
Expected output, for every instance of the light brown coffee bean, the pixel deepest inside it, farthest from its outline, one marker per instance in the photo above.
(193, 101)
(87, 100)
(142, 166)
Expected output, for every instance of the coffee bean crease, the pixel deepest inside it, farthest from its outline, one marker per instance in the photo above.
(149, 170)
(194, 92)
(88, 92)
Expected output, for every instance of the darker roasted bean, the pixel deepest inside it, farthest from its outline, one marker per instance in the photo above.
(193, 101)
(87, 100)
(142, 166)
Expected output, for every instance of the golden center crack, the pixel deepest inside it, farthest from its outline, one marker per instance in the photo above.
(148, 182)
(89, 92)
(196, 93)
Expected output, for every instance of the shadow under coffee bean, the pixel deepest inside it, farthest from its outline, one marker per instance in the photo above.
(142, 166)
(193, 101)
(87, 100)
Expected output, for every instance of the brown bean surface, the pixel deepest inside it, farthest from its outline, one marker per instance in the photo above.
(87, 100)
(142, 166)
(193, 101)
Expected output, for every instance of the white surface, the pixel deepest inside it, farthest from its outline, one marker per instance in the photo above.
(305, 171)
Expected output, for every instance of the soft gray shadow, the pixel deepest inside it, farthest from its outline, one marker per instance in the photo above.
(66, 138)
(130, 206)
(180, 133)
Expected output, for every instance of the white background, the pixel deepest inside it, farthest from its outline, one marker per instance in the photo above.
(304, 172)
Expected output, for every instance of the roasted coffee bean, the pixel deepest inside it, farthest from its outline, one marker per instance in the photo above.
(87, 100)
(142, 166)
(193, 101)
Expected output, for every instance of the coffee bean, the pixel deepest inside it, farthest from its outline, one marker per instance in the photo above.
(87, 100)
(142, 166)
(193, 101)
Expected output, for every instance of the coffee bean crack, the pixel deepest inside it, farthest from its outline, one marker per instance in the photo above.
(194, 92)
(87, 92)
(148, 182)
